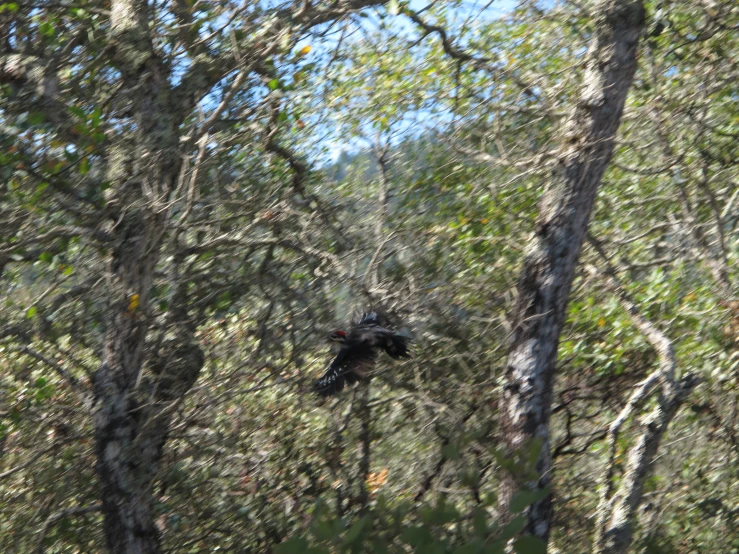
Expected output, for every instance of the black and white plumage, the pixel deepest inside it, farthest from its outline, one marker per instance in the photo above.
(358, 353)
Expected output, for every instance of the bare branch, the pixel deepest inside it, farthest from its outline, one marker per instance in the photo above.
(617, 510)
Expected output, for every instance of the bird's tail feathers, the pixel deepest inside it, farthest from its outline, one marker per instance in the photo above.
(399, 347)
(372, 317)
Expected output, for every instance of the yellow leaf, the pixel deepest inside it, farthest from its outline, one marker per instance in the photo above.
(133, 302)
(304, 50)
(601, 322)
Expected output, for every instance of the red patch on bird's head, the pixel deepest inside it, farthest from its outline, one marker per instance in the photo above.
(337, 335)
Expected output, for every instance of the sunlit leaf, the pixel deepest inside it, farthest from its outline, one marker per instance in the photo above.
(133, 302)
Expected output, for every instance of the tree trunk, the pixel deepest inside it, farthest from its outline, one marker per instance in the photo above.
(135, 389)
(130, 416)
(550, 260)
(131, 422)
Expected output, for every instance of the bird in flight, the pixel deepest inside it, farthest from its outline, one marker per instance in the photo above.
(358, 353)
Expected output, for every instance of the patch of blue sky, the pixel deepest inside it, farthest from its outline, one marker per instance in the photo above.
(460, 18)
(463, 17)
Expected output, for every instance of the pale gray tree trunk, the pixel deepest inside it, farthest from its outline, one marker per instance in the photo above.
(550, 260)
(131, 424)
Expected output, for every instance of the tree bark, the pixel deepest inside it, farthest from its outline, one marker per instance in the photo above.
(131, 423)
(550, 260)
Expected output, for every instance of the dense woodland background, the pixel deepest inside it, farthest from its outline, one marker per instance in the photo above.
(194, 193)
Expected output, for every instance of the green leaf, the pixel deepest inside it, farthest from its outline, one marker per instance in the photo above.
(47, 29)
(433, 548)
(36, 118)
(224, 301)
(520, 501)
(469, 477)
(323, 530)
(42, 186)
(46, 257)
(416, 536)
(85, 166)
(393, 8)
(524, 498)
(450, 452)
(529, 545)
(79, 112)
(471, 548)
(479, 523)
(295, 545)
(15, 415)
(496, 547)
(376, 544)
(534, 450)
(274, 84)
(440, 514)
(95, 118)
(490, 499)
(355, 530)
(9, 6)
(31, 312)
(513, 528)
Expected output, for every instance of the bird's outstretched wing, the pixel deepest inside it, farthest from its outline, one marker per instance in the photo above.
(374, 336)
(351, 365)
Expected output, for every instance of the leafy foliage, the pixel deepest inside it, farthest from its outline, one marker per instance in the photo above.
(427, 214)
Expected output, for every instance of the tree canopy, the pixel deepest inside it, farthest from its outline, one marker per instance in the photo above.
(542, 195)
